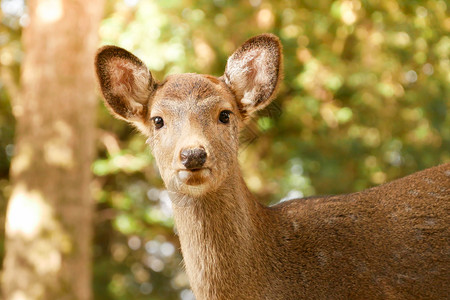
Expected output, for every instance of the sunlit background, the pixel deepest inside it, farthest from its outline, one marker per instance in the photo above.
(365, 100)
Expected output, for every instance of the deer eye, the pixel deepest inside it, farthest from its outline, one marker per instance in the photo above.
(224, 116)
(158, 121)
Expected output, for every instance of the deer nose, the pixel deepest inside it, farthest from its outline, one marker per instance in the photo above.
(193, 158)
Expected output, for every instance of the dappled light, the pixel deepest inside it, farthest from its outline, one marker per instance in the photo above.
(265, 18)
(27, 213)
(58, 150)
(49, 11)
(32, 218)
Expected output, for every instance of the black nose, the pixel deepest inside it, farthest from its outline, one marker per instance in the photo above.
(193, 158)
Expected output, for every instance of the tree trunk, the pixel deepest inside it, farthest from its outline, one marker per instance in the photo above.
(48, 226)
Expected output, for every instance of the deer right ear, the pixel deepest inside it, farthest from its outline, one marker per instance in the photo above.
(125, 81)
(254, 72)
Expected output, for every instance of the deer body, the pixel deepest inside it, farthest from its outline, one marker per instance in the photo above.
(388, 242)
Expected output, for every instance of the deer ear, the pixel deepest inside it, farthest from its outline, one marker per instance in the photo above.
(254, 71)
(125, 81)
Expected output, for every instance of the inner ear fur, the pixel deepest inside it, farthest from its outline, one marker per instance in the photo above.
(125, 82)
(254, 71)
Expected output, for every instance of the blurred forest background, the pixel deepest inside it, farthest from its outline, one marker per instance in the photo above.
(365, 99)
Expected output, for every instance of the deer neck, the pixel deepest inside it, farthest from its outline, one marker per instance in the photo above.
(217, 234)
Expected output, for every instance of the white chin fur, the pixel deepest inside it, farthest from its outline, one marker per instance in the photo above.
(186, 176)
(186, 181)
(183, 175)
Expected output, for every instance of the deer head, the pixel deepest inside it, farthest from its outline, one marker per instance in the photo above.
(192, 120)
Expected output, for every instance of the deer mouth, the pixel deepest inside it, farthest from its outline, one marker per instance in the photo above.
(193, 176)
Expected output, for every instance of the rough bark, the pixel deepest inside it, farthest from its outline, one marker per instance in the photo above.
(48, 226)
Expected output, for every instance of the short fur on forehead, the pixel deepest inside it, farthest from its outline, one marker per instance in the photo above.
(254, 71)
(125, 81)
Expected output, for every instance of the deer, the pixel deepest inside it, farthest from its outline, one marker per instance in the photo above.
(387, 242)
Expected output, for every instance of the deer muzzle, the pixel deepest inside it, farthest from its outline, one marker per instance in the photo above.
(193, 158)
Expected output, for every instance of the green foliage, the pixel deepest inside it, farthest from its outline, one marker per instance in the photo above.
(10, 57)
(365, 99)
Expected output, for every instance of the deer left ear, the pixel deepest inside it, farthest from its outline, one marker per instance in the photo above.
(126, 83)
(254, 71)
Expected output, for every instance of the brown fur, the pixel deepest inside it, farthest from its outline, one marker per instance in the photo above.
(388, 242)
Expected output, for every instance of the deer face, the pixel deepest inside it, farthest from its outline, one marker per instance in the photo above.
(194, 127)
(192, 120)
